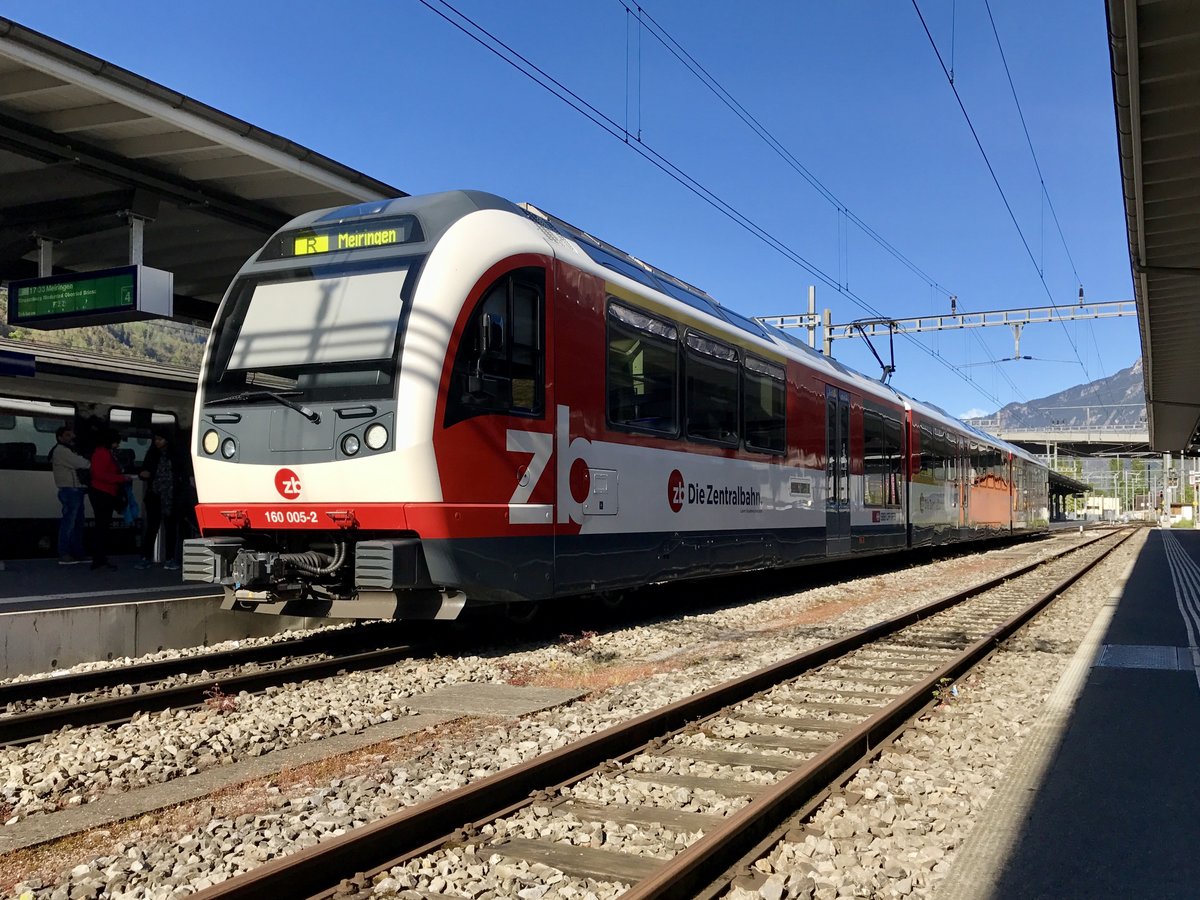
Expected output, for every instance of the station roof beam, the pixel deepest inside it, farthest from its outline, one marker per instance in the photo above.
(1155, 55)
(80, 136)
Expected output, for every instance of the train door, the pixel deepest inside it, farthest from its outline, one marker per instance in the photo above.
(963, 465)
(495, 448)
(837, 472)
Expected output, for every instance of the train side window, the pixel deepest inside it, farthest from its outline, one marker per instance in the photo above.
(500, 361)
(643, 372)
(945, 461)
(27, 430)
(135, 426)
(928, 456)
(711, 400)
(764, 405)
(876, 467)
(894, 441)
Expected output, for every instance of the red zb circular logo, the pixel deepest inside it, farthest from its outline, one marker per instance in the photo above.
(675, 491)
(287, 483)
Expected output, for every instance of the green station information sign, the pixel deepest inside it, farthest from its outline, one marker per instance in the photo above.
(123, 294)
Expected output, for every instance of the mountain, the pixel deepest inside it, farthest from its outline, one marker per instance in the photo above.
(1118, 400)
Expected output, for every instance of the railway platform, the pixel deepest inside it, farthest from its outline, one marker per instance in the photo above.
(1103, 801)
(27, 584)
(54, 616)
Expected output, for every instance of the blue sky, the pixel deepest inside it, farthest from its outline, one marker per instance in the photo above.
(853, 90)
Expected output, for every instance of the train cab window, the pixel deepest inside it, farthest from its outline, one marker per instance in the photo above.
(500, 361)
(764, 405)
(643, 371)
(711, 397)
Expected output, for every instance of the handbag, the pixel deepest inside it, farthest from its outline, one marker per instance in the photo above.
(132, 512)
(121, 501)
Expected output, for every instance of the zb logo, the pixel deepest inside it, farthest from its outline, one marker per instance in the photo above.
(287, 483)
(676, 491)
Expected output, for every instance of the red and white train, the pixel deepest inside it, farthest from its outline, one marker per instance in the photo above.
(410, 405)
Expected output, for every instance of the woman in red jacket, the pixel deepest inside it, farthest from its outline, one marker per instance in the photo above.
(107, 484)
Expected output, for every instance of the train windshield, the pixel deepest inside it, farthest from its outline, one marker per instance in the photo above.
(328, 334)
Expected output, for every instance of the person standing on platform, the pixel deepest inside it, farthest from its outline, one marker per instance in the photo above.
(67, 465)
(105, 494)
(163, 474)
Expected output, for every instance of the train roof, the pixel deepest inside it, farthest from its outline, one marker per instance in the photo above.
(646, 275)
(437, 212)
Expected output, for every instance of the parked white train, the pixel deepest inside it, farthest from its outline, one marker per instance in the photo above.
(87, 392)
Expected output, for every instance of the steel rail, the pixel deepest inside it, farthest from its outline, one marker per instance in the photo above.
(32, 725)
(142, 673)
(316, 871)
(695, 868)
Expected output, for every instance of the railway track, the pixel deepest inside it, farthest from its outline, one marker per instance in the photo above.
(33, 708)
(731, 764)
(119, 693)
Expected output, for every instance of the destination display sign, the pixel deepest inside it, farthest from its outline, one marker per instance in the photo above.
(320, 239)
(102, 297)
(76, 295)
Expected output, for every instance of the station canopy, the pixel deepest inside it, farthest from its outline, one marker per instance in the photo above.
(85, 145)
(1155, 52)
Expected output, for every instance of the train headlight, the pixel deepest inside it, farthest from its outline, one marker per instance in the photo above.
(211, 440)
(228, 448)
(350, 444)
(376, 436)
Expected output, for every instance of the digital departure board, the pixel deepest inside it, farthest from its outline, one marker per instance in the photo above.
(103, 297)
(320, 239)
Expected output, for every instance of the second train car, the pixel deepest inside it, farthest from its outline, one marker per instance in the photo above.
(410, 405)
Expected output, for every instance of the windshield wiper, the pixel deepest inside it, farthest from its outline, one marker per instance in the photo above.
(278, 396)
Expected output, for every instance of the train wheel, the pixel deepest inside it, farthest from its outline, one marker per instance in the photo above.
(521, 613)
(611, 600)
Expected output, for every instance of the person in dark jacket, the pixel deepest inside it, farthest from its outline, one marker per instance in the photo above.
(164, 476)
(107, 484)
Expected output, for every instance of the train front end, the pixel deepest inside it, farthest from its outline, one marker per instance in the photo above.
(315, 409)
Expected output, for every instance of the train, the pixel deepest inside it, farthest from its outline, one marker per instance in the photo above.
(411, 406)
(88, 392)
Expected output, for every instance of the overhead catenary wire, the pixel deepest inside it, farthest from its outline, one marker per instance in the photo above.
(1029, 140)
(502, 50)
(846, 216)
(692, 64)
(996, 180)
(1041, 177)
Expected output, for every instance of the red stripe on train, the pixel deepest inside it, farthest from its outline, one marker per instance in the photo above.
(428, 520)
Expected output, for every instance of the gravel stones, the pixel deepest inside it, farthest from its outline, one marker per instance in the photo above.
(872, 853)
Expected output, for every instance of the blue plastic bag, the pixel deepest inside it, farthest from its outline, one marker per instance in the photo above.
(132, 512)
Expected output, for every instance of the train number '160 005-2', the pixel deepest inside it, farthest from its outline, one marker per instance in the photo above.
(290, 517)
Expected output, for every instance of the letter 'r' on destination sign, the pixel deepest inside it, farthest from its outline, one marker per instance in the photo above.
(313, 243)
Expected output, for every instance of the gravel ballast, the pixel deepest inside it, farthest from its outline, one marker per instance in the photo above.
(673, 660)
